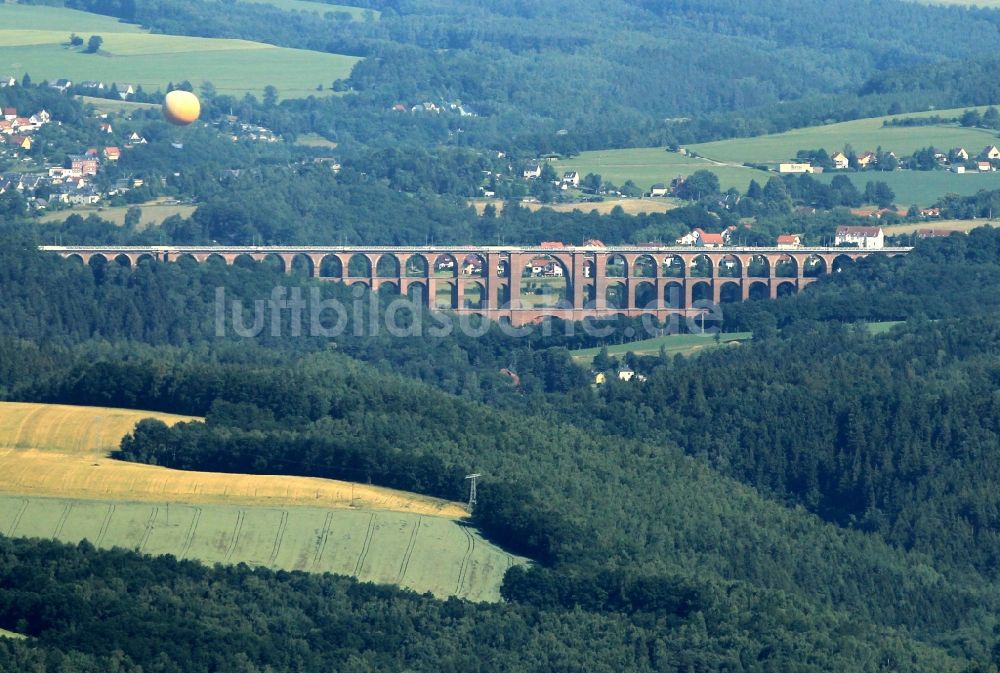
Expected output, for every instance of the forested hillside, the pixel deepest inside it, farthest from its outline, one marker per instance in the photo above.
(617, 74)
(813, 499)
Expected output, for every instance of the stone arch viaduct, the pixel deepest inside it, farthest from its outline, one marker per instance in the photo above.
(524, 284)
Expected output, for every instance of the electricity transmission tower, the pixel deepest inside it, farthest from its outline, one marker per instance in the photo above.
(472, 488)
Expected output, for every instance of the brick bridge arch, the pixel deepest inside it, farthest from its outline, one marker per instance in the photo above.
(486, 280)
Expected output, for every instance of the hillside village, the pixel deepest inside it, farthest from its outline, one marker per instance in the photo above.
(957, 160)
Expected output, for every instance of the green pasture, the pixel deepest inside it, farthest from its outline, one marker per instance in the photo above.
(647, 166)
(688, 344)
(861, 134)
(673, 344)
(417, 552)
(923, 188)
(32, 40)
(152, 213)
(357, 13)
(4, 633)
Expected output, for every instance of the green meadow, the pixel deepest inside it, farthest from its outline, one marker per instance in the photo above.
(673, 344)
(647, 166)
(33, 40)
(423, 553)
(357, 13)
(861, 134)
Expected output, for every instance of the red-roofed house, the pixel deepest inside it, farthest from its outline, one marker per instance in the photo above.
(112, 153)
(863, 237)
(788, 241)
(10, 113)
(711, 240)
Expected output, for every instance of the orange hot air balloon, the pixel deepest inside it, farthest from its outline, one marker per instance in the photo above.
(181, 107)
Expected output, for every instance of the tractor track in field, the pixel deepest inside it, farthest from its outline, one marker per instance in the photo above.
(366, 546)
(240, 518)
(278, 538)
(409, 550)
(150, 522)
(323, 537)
(105, 525)
(17, 518)
(62, 520)
(463, 571)
(191, 531)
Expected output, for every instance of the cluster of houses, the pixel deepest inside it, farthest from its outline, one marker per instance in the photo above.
(16, 130)
(434, 108)
(957, 160)
(868, 238)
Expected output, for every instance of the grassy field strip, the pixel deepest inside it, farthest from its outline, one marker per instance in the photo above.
(357, 13)
(949, 225)
(152, 214)
(647, 166)
(4, 633)
(687, 344)
(861, 134)
(673, 344)
(61, 450)
(630, 206)
(422, 553)
(32, 40)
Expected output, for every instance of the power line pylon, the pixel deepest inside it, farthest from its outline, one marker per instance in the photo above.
(472, 488)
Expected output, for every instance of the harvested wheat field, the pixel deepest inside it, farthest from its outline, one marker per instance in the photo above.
(59, 450)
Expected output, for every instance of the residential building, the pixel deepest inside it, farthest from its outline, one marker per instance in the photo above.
(958, 154)
(990, 153)
(533, 171)
(867, 238)
(840, 161)
(571, 178)
(84, 164)
(789, 241)
(867, 160)
(659, 189)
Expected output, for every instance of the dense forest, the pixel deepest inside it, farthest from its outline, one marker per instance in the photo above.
(858, 528)
(820, 498)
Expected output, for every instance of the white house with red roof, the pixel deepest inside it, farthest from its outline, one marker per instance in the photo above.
(789, 241)
(868, 238)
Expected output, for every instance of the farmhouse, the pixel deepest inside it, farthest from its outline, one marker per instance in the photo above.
(840, 161)
(789, 241)
(863, 237)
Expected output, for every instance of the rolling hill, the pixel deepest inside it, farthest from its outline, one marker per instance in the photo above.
(57, 482)
(34, 39)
